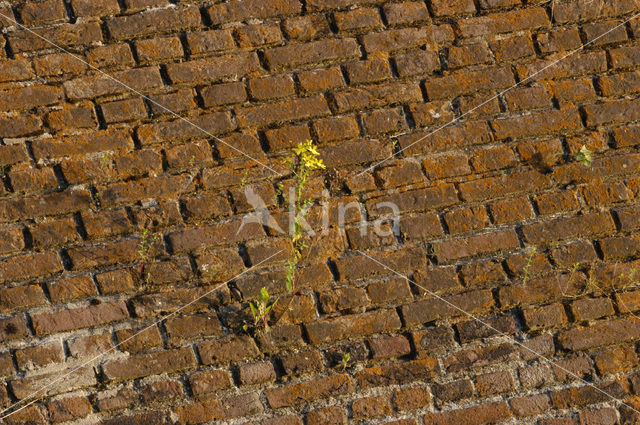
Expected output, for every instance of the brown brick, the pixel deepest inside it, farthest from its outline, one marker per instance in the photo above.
(466, 219)
(603, 33)
(158, 49)
(580, 252)
(511, 48)
(358, 19)
(454, 391)
(161, 390)
(29, 97)
(625, 57)
(314, 52)
(457, 7)
(38, 356)
(370, 407)
(286, 110)
(455, 249)
(616, 111)
(308, 391)
(100, 85)
(401, 39)
(306, 27)
(124, 110)
(570, 227)
(511, 210)
(149, 364)
(408, 12)
(301, 362)
(154, 21)
(389, 346)
(399, 174)
(415, 200)
(599, 334)
(256, 373)
(71, 288)
(24, 266)
(416, 63)
(137, 340)
(477, 415)
(615, 359)
(321, 79)
(472, 329)
(494, 383)
(229, 349)
(574, 65)
(331, 415)
(546, 316)
(187, 327)
(447, 165)
(354, 325)
(115, 281)
(213, 69)
(89, 8)
(272, 87)
(431, 309)
(72, 116)
(558, 40)
(515, 20)
(43, 12)
(80, 317)
(69, 408)
(116, 56)
(209, 381)
(223, 94)
(469, 82)
(236, 11)
(204, 42)
(469, 54)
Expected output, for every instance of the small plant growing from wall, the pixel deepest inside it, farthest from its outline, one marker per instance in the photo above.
(304, 159)
(144, 249)
(584, 155)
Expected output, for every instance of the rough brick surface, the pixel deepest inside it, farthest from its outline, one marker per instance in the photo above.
(133, 134)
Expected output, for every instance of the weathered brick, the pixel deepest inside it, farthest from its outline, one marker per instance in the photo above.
(149, 364)
(430, 309)
(71, 288)
(570, 227)
(369, 407)
(204, 42)
(282, 111)
(229, 349)
(516, 20)
(209, 381)
(625, 57)
(256, 373)
(573, 66)
(213, 69)
(46, 323)
(616, 111)
(236, 11)
(69, 408)
(24, 266)
(331, 415)
(511, 210)
(355, 325)
(515, 47)
(467, 82)
(158, 49)
(469, 54)
(358, 19)
(405, 38)
(258, 35)
(19, 125)
(398, 374)
(454, 390)
(306, 27)
(408, 12)
(599, 334)
(154, 21)
(187, 327)
(455, 249)
(415, 200)
(272, 87)
(64, 35)
(546, 316)
(315, 52)
(115, 56)
(309, 391)
(101, 85)
(615, 359)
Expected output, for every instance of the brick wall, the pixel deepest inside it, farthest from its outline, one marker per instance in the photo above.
(140, 123)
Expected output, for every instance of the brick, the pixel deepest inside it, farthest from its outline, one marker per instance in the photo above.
(431, 309)
(209, 381)
(472, 329)
(555, 202)
(124, 110)
(358, 19)
(399, 174)
(469, 54)
(625, 57)
(29, 97)
(149, 364)
(397, 374)
(19, 125)
(306, 27)
(72, 116)
(38, 356)
(573, 66)
(308, 391)
(256, 373)
(515, 47)
(258, 35)
(161, 390)
(273, 87)
(154, 21)
(282, 111)
(447, 165)
(516, 20)
(158, 49)
(370, 71)
(331, 415)
(69, 408)
(392, 346)
(466, 219)
(14, 327)
(384, 121)
(457, 7)
(511, 210)
(416, 63)
(314, 52)
(91, 8)
(213, 235)
(480, 272)
(530, 405)
(141, 79)
(236, 11)
(391, 291)
(416, 200)
(604, 416)
(46, 323)
(284, 420)
(467, 82)
(137, 340)
(343, 299)
(25, 266)
(114, 282)
(571, 227)
(188, 327)
(481, 356)
(455, 390)
(556, 121)
(426, 114)
(616, 111)
(477, 415)
(117, 56)
(456, 249)
(494, 383)
(580, 252)
(205, 42)
(616, 85)
(607, 32)
(615, 359)
(408, 12)
(558, 40)
(64, 35)
(436, 279)
(336, 128)
(11, 240)
(178, 101)
(375, 96)
(319, 80)
(599, 334)
(544, 317)
(401, 39)
(213, 69)
(351, 326)
(223, 94)
(301, 362)
(528, 98)
(370, 407)
(43, 12)
(71, 288)
(150, 187)
(229, 349)
(586, 395)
